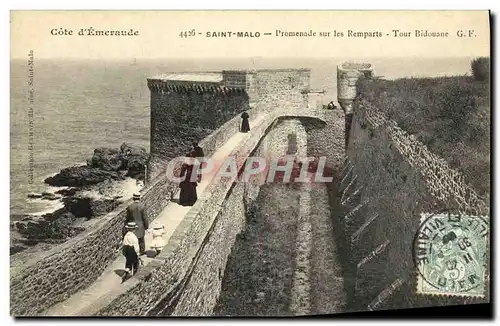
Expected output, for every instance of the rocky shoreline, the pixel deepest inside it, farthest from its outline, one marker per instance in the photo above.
(89, 191)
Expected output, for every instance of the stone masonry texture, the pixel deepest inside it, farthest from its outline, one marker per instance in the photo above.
(273, 90)
(190, 268)
(388, 182)
(179, 119)
(185, 115)
(39, 282)
(327, 141)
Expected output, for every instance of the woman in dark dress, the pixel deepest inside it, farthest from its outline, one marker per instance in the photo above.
(198, 154)
(188, 195)
(245, 126)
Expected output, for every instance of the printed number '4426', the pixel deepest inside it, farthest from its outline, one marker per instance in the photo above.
(187, 33)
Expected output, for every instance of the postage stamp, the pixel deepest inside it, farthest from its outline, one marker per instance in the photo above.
(450, 253)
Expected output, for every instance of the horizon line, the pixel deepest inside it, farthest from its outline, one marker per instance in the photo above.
(253, 57)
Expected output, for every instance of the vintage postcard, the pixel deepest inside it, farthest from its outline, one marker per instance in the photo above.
(248, 163)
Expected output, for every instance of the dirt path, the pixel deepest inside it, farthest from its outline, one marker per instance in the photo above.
(287, 261)
(259, 275)
(326, 278)
(301, 301)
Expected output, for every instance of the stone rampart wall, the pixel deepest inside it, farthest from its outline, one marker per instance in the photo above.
(38, 282)
(185, 278)
(387, 181)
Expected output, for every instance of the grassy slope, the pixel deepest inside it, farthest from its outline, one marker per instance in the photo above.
(259, 274)
(451, 115)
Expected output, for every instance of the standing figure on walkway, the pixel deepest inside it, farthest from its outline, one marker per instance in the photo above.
(131, 249)
(158, 231)
(245, 125)
(136, 212)
(199, 155)
(188, 195)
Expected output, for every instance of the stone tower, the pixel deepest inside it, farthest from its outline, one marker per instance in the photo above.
(348, 74)
(187, 107)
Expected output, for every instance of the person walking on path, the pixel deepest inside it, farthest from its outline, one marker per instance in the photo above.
(245, 125)
(188, 195)
(131, 249)
(158, 231)
(199, 155)
(136, 212)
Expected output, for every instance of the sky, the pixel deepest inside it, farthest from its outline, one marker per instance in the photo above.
(159, 34)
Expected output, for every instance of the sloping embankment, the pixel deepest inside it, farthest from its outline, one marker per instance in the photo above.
(450, 115)
(389, 179)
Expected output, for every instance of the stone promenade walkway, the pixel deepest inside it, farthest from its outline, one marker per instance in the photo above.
(85, 302)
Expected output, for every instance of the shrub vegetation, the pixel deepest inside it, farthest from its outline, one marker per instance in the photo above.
(451, 115)
(481, 69)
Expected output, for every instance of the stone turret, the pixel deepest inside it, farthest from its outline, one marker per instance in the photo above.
(348, 74)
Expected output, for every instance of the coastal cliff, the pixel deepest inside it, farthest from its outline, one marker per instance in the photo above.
(88, 191)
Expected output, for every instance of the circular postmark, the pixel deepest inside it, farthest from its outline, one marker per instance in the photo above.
(450, 253)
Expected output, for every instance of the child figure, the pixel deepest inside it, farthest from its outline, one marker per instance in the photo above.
(131, 249)
(157, 243)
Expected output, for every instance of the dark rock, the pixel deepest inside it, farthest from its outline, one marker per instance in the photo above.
(130, 149)
(53, 215)
(78, 206)
(105, 164)
(67, 192)
(49, 231)
(107, 159)
(68, 216)
(16, 242)
(14, 249)
(136, 158)
(89, 207)
(49, 196)
(103, 206)
(17, 217)
(77, 176)
(34, 195)
(106, 188)
(58, 226)
(136, 166)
